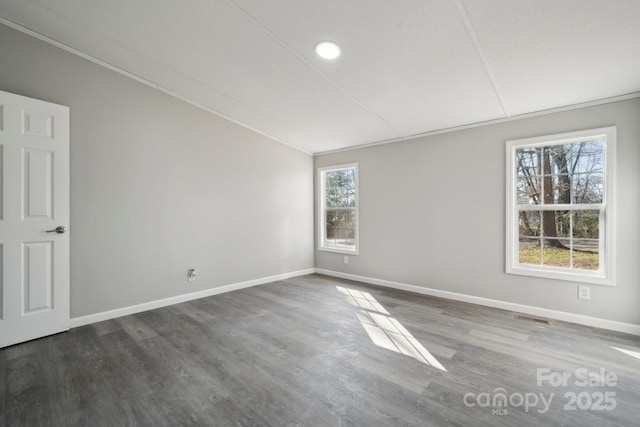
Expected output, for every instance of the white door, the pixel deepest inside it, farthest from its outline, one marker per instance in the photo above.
(34, 199)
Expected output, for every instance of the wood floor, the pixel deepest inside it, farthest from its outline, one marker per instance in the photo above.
(318, 351)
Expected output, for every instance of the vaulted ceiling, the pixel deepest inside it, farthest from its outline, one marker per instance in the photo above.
(408, 67)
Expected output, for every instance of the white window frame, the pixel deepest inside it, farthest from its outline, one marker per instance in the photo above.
(605, 274)
(322, 210)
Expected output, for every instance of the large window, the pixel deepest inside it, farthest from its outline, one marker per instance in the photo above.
(560, 217)
(338, 225)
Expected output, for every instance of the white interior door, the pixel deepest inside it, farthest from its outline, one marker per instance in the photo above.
(34, 199)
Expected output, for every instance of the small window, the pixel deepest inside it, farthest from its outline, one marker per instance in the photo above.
(560, 191)
(338, 224)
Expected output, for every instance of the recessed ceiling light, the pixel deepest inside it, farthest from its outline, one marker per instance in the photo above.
(327, 50)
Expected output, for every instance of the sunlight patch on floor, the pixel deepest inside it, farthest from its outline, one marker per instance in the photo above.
(628, 352)
(385, 331)
(362, 299)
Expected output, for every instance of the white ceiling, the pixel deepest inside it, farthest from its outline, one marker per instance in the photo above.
(408, 67)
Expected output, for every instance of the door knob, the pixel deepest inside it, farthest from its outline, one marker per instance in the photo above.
(59, 229)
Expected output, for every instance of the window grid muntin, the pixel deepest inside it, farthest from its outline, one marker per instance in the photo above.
(541, 238)
(606, 138)
(324, 243)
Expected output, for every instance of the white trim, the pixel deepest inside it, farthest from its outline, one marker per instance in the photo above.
(597, 102)
(613, 325)
(76, 52)
(605, 274)
(322, 209)
(144, 81)
(150, 305)
(149, 83)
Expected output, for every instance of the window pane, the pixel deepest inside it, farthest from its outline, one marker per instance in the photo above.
(557, 252)
(555, 160)
(574, 158)
(555, 224)
(586, 254)
(340, 228)
(586, 244)
(573, 173)
(557, 189)
(528, 162)
(556, 230)
(528, 189)
(586, 156)
(563, 223)
(586, 224)
(529, 251)
(560, 236)
(340, 188)
(529, 224)
(588, 188)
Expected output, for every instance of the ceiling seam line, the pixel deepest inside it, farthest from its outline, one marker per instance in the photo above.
(619, 98)
(316, 70)
(127, 48)
(154, 84)
(485, 62)
(150, 83)
(136, 51)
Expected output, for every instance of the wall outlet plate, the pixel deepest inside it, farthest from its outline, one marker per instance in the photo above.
(191, 275)
(346, 259)
(584, 292)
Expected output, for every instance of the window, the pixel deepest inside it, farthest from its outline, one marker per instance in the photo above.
(338, 225)
(560, 217)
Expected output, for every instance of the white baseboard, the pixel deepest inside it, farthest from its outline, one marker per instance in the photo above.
(612, 325)
(125, 311)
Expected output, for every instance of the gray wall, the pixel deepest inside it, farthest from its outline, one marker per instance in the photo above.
(432, 214)
(159, 186)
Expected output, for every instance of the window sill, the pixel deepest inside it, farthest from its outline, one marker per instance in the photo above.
(559, 274)
(339, 251)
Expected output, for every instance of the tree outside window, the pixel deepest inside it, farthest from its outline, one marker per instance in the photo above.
(339, 209)
(560, 205)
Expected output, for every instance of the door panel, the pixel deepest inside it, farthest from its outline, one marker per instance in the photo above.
(34, 199)
(37, 124)
(37, 184)
(37, 276)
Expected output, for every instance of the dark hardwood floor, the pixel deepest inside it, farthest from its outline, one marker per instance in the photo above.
(318, 351)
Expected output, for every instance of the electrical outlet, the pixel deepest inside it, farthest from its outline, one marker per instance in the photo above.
(191, 275)
(584, 292)
(346, 259)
